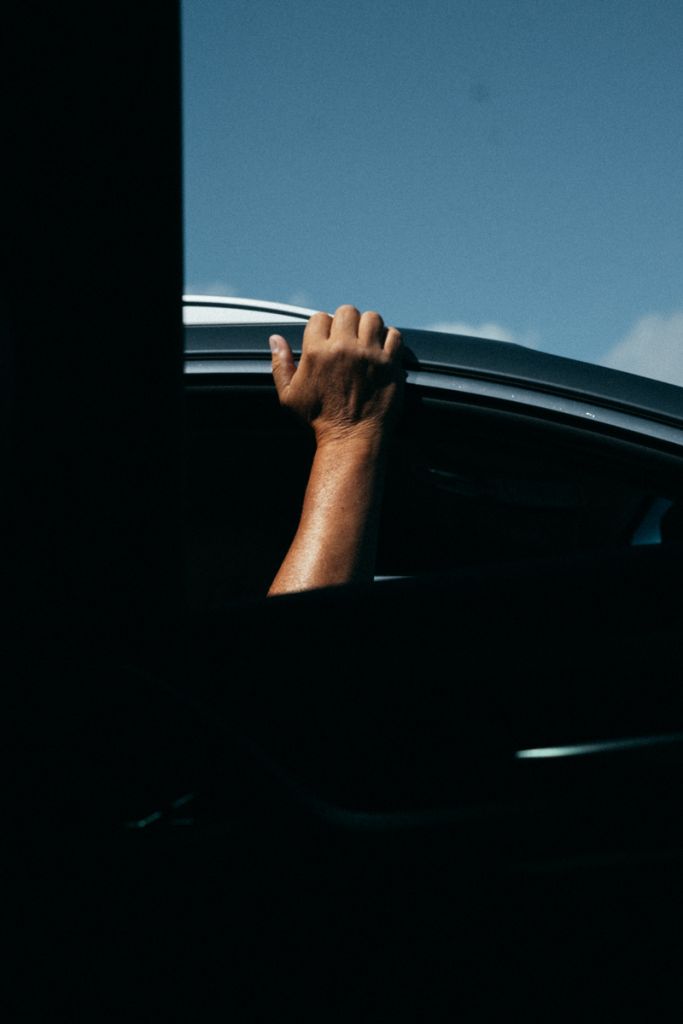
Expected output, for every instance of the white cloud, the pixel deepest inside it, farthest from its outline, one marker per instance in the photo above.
(493, 331)
(210, 287)
(300, 298)
(652, 348)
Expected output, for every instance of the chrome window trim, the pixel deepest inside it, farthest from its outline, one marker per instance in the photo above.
(230, 366)
(599, 747)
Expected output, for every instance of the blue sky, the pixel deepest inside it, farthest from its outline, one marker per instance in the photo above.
(510, 167)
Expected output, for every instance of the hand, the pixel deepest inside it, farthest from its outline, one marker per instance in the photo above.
(349, 380)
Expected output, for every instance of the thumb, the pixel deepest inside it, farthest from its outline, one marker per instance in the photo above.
(284, 366)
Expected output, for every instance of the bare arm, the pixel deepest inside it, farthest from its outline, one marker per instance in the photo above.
(348, 387)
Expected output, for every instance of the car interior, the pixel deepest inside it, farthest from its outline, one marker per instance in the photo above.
(468, 484)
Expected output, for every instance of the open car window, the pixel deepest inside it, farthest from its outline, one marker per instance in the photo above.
(482, 471)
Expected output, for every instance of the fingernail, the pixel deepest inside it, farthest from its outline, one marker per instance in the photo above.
(274, 343)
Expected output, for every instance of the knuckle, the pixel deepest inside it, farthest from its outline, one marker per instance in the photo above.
(347, 310)
(318, 318)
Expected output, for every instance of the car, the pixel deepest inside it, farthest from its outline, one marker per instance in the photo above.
(503, 454)
(485, 773)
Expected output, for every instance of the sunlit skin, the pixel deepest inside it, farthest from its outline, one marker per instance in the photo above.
(348, 386)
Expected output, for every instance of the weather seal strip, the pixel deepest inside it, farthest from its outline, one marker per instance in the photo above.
(575, 408)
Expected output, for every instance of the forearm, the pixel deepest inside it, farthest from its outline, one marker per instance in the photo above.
(337, 536)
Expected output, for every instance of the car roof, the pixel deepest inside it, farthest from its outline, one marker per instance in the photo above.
(219, 325)
(217, 309)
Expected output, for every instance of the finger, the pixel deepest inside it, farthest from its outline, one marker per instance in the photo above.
(393, 342)
(371, 330)
(318, 327)
(345, 323)
(284, 366)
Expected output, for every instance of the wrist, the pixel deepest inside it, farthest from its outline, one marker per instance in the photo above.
(362, 440)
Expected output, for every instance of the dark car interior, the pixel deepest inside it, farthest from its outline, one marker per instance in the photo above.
(501, 528)
(327, 805)
(467, 485)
